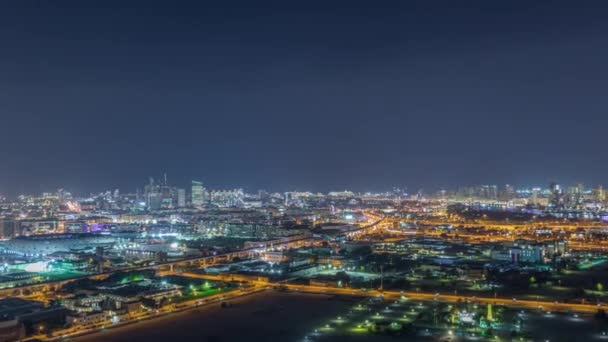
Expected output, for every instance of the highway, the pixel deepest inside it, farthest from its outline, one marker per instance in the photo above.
(528, 304)
(510, 302)
(482, 231)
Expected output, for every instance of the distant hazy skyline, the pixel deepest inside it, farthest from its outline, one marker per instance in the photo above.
(253, 189)
(316, 95)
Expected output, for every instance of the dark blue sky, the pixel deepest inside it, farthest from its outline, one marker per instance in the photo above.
(319, 95)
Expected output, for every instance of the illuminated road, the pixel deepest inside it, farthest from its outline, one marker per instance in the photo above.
(512, 302)
(488, 224)
(484, 231)
(529, 304)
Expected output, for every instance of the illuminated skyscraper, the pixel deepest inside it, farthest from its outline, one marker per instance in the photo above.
(574, 198)
(153, 195)
(556, 196)
(198, 193)
(600, 194)
(509, 192)
(181, 198)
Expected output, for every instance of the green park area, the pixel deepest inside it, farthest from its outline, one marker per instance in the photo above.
(197, 288)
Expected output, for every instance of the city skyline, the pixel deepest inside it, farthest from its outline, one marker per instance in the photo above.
(204, 187)
(210, 186)
(303, 171)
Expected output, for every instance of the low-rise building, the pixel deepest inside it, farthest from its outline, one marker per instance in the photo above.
(87, 319)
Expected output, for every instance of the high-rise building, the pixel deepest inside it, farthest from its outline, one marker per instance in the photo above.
(8, 229)
(153, 195)
(227, 198)
(198, 194)
(181, 198)
(490, 191)
(574, 198)
(508, 193)
(600, 194)
(556, 198)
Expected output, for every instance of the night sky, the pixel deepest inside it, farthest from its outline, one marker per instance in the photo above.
(327, 95)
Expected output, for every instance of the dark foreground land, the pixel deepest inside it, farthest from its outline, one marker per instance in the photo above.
(269, 316)
(288, 316)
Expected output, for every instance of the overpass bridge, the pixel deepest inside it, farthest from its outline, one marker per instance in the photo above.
(360, 231)
(228, 277)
